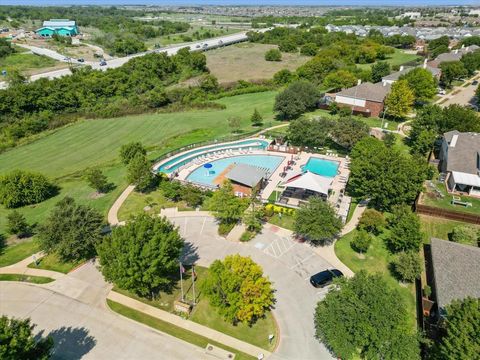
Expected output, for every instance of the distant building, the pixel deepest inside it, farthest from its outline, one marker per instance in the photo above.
(61, 27)
(390, 79)
(455, 273)
(366, 98)
(460, 159)
(454, 55)
(412, 15)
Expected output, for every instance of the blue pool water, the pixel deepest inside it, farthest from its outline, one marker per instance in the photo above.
(321, 167)
(191, 155)
(204, 176)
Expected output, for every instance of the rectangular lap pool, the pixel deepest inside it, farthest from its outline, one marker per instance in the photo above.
(323, 167)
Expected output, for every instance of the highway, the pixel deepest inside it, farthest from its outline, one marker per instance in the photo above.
(201, 45)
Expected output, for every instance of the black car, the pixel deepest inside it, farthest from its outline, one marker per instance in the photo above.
(475, 82)
(324, 278)
(81, 60)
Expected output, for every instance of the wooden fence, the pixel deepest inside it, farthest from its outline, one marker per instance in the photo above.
(447, 214)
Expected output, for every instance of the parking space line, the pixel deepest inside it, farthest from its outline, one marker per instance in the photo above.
(203, 225)
(301, 262)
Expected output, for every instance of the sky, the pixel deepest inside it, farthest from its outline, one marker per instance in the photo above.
(245, 2)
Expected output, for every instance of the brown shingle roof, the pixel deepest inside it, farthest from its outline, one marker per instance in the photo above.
(367, 91)
(463, 156)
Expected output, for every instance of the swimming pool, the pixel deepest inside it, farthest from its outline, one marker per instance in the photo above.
(321, 167)
(206, 176)
(174, 163)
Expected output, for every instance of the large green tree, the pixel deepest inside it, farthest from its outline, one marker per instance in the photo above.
(309, 132)
(298, 98)
(130, 150)
(348, 131)
(405, 231)
(340, 79)
(139, 173)
(399, 101)
(408, 266)
(460, 338)
(237, 288)
(379, 70)
(422, 82)
(71, 231)
(317, 221)
(452, 70)
(142, 255)
(18, 342)
(19, 188)
(385, 175)
(225, 206)
(365, 317)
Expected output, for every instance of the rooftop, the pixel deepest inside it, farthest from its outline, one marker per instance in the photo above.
(56, 23)
(456, 271)
(247, 174)
(463, 149)
(367, 91)
(396, 75)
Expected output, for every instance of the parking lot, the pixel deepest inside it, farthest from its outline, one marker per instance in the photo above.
(287, 263)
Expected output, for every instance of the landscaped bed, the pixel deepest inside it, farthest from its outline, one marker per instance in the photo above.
(52, 262)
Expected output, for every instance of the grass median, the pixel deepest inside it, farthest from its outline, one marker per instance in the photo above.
(26, 278)
(173, 330)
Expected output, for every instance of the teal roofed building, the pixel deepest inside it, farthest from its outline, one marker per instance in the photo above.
(61, 27)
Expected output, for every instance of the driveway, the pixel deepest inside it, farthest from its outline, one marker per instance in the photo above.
(81, 330)
(288, 264)
(464, 97)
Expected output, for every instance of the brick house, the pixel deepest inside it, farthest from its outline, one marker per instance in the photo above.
(365, 98)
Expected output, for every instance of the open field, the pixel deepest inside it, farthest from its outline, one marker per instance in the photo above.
(399, 57)
(375, 260)
(438, 227)
(29, 63)
(64, 154)
(246, 61)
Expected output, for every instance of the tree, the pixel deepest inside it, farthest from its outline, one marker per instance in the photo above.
(361, 242)
(465, 234)
(348, 131)
(19, 188)
(379, 70)
(309, 132)
(283, 77)
(288, 46)
(340, 79)
(142, 255)
(460, 331)
(422, 82)
(234, 123)
(460, 118)
(372, 221)
(130, 150)
(405, 233)
(297, 98)
(385, 175)
(209, 84)
(253, 217)
(438, 46)
(407, 266)
(97, 180)
(452, 70)
(256, 118)
(139, 174)
(19, 342)
(309, 49)
(317, 221)
(399, 101)
(17, 224)
(364, 317)
(6, 48)
(226, 207)
(273, 55)
(237, 288)
(71, 231)
(423, 142)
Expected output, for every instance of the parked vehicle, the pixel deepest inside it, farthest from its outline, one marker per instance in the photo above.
(198, 46)
(475, 82)
(66, 59)
(103, 63)
(81, 60)
(324, 278)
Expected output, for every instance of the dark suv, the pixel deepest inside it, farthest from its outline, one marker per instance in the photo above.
(324, 278)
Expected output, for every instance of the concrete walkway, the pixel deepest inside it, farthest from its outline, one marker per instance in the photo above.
(22, 268)
(187, 325)
(113, 212)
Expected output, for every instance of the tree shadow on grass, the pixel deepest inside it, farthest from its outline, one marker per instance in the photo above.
(189, 254)
(71, 343)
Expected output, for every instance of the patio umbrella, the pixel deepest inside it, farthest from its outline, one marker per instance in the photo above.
(207, 166)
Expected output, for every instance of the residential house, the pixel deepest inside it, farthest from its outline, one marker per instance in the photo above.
(460, 160)
(390, 79)
(62, 27)
(454, 273)
(365, 98)
(454, 55)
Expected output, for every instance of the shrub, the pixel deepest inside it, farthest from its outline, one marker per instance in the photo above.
(224, 228)
(17, 225)
(372, 221)
(97, 180)
(273, 55)
(465, 234)
(407, 266)
(130, 150)
(247, 236)
(297, 98)
(361, 242)
(20, 188)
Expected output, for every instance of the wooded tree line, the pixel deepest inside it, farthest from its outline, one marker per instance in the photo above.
(28, 108)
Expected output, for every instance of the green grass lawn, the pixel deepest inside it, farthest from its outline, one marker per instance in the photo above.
(52, 262)
(375, 260)
(430, 199)
(438, 227)
(206, 315)
(285, 221)
(64, 154)
(25, 278)
(23, 62)
(351, 209)
(15, 253)
(173, 330)
(399, 57)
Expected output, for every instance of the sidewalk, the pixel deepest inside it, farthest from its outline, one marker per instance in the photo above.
(22, 268)
(113, 212)
(187, 325)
